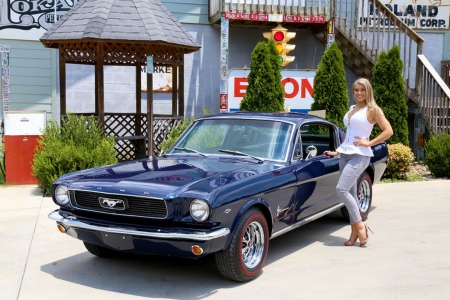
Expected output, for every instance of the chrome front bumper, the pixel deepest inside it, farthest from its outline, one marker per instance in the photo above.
(72, 222)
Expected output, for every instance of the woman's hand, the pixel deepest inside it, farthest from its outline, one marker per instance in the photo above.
(361, 141)
(331, 153)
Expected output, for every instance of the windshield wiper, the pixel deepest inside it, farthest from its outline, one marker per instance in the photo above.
(241, 154)
(191, 150)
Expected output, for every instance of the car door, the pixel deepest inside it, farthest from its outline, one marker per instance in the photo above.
(317, 176)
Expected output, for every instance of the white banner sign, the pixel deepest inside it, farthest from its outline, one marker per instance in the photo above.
(29, 19)
(298, 87)
(417, 14)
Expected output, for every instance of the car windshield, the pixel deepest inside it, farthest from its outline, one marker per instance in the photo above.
(263, 139)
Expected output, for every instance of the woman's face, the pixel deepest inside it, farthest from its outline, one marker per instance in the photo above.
(359, 93)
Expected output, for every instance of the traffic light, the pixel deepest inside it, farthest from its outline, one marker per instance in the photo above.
(281, 36)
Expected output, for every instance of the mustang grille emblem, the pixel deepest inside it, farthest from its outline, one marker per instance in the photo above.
(109, 203)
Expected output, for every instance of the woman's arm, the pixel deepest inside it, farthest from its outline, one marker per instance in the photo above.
(386, 130)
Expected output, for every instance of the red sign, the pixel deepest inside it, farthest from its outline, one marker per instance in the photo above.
(263, 17)
(223, 101)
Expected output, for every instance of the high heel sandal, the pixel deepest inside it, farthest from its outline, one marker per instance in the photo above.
(349, 243)
(363, 243)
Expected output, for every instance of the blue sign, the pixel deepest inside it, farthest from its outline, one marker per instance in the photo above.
(149, 64)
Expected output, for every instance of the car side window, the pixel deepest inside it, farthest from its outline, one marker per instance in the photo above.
(321, 136)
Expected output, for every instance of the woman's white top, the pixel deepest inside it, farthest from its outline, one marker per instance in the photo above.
(357, 125)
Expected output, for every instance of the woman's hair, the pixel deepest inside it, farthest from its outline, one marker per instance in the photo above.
(370, 99)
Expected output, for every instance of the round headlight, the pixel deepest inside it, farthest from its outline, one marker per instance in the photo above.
(199, 210)
(62, 195)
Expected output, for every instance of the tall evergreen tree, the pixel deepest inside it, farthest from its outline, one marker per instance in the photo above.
(264, 92)
(330, 89)
(389, 90)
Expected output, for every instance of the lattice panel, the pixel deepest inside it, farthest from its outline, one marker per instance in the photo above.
(78, 51)
(124, 150)
(114, 53)
(122, 126)
(161, 128)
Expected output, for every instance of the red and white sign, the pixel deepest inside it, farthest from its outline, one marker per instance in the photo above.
(298, 87)
(263, 17)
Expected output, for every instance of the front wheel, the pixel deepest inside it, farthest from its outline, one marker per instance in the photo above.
(245, 256)
(364, 193)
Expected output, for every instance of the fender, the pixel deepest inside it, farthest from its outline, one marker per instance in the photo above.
(255, 202)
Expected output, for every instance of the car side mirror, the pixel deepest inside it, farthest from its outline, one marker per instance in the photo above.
(311, 151)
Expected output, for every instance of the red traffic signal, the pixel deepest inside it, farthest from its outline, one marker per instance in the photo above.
(278, 36)
(281, 36)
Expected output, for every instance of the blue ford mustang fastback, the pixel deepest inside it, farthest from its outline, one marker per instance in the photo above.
(228, 185)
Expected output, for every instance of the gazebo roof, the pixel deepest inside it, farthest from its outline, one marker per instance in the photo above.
(119, 21)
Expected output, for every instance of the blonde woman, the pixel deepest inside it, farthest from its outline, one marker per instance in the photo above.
(355, 153)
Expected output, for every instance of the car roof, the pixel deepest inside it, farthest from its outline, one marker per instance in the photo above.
(293, 117)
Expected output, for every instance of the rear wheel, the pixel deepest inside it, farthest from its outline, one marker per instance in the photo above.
(364, 192)
(245, 256)
(100, 251)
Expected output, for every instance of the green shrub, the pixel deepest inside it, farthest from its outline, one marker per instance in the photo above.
(389, 90)
(437, 157)
(177, 130)
(78, 144)
(174, 133)
(264, 91)
(330, 88)
(400, 161)
(2, 165)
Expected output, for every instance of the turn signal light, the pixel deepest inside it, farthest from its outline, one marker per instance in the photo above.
(61, 228)
(197, 250)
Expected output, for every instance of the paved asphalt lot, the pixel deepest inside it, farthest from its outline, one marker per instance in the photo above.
(407, 257)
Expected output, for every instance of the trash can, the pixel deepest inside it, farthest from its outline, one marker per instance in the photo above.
(22, 132)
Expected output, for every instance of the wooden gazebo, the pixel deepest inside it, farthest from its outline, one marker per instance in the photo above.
(127, 33)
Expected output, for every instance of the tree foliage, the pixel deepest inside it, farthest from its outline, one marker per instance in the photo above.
(330, 89)
(389, 90)
(264, 92)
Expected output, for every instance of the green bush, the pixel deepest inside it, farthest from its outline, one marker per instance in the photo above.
(389, 90)
(78, 144)
(174, 133)
(264, 91)
(330, 88)
(437, 158)
(2, 165)
(400, 161)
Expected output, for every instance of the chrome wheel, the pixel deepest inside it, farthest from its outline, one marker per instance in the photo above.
(365, 196)
(253, 245)
(244, 258)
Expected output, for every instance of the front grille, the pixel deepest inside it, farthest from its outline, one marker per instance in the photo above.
(135, 206)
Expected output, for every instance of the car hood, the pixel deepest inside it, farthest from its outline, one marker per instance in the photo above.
(167, 177)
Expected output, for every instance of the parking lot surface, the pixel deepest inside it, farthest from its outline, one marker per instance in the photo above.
(406, 257)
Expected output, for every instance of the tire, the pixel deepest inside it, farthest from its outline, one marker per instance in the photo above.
(244, 258)
(364, 193)
(100, 251)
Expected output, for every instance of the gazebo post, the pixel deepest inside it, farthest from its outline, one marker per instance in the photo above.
(137, 125)
(99, 86)
(174, 91)
(150, 113)
(62, 85)
(181, 89)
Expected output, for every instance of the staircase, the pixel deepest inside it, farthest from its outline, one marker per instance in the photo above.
(361, 37)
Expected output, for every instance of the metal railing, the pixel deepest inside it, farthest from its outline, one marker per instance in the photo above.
(370, 25)
(434, 103)
(305, 7)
